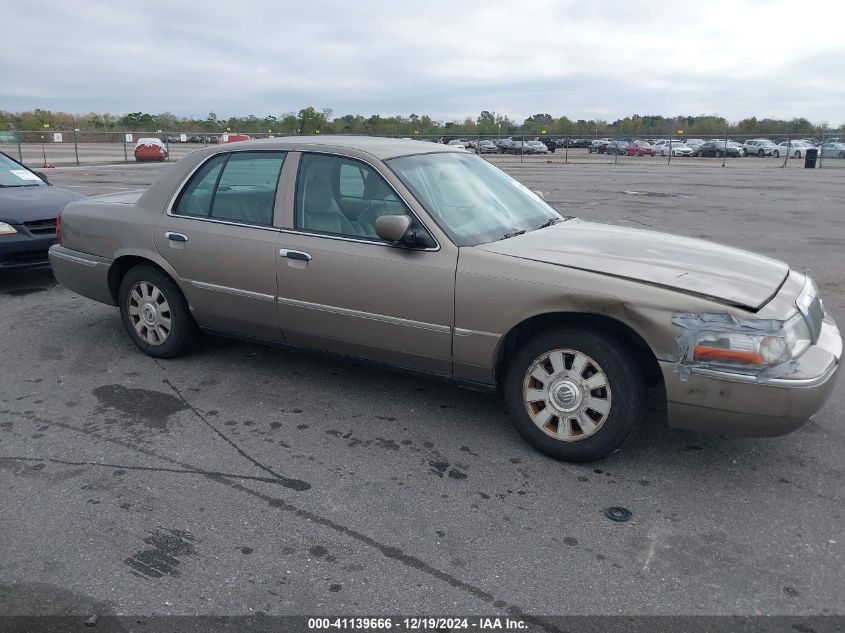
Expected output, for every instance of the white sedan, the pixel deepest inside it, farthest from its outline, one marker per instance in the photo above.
(676, 148)
(833, 150)
(793, 149)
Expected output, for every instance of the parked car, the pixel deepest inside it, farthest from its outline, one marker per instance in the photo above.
(833, 150)
(673, 148)
(693, 143)
(549, 142)
(758, 147)
(504, 145)
(599, 146)
(486, 147)
(150, 149)
(792, 149)
(640, 148)
(448, 266)
(28, 208)
(535, 147)
(233, 138)
(717, 149)
(457, 143)
(617, 147)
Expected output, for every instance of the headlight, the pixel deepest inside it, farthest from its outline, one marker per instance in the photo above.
(740, 346)
(7, 229)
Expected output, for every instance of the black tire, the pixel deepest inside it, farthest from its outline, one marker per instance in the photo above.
(624, 377)
(183, 328)
(776, 154)
(699, 154)
(744, 152)
(798, 154)
(718, 153)
(841, 154)
(761, 154)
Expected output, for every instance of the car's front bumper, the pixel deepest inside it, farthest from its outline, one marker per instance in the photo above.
(24, 249)
(735, 404)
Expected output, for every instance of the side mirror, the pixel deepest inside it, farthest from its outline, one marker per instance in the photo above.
(392, 227)
(42, 176)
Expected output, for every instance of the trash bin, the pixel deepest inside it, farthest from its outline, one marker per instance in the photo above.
(810, 157)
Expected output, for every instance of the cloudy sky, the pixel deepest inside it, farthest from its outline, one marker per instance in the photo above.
(445, 58)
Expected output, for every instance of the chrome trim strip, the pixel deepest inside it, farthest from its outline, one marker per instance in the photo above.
(232, 291)
(74, 259)
(434, 327)
(459, 331)
(770, 382)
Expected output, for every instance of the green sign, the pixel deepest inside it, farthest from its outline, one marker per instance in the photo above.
(8, 138)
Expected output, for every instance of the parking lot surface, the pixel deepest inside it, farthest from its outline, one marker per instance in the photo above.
(242, 479)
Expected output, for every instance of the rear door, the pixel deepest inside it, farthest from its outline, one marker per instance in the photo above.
(220, 239)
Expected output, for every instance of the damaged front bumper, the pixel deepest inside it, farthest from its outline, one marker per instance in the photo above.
(720, 401)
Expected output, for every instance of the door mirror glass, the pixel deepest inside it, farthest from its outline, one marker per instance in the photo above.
(392, 227)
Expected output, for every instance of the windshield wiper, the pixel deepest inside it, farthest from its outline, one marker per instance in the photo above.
(514, 234)
(549, 222)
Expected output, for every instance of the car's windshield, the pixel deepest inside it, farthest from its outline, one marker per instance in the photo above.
(470, 199)
(13, 174)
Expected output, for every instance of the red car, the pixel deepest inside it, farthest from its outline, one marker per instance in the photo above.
(640, 148)
(233, 138)
(150, 149)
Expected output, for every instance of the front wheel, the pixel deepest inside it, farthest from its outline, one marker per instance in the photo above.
(575, 394)
(155, 313)
(761, 153)
(841, 154)
(797, 154)
(776, 154)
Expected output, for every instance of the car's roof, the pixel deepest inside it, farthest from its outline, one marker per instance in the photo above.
(380, 147)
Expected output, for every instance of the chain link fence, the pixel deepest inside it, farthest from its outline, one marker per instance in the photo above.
(38, 148)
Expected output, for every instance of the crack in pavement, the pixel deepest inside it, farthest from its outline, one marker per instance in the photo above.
(293, 484)
(186, 471)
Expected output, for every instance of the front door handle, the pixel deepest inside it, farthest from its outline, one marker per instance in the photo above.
(300, 255)
(176, 237)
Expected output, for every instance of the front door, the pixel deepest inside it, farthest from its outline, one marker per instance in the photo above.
(344, 290)
(220, 239)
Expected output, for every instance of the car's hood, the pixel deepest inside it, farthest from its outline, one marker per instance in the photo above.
(723, 273)
(26, 204)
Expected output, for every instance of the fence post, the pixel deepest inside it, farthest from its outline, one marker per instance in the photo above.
(725, 153)
(788, 143)
(125, 154)
(821, 150)
(670, 147)
(75, 145)
(566, 150)
(616, 150)
(20, 152)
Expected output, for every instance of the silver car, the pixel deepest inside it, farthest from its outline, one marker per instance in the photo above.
(430, 259)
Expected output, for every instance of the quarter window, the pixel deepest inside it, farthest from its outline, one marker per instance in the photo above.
(238, 187)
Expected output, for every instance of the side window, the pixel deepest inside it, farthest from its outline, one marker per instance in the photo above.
(342, 196)
(246, 191)
(195, 199)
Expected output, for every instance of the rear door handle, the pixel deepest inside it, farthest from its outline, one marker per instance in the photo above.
(176, 237)
(300, 255)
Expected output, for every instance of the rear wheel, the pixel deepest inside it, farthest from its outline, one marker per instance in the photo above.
(797, 154)
(575, 394)
(776, 154)
(841, 154)
(155, 313)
